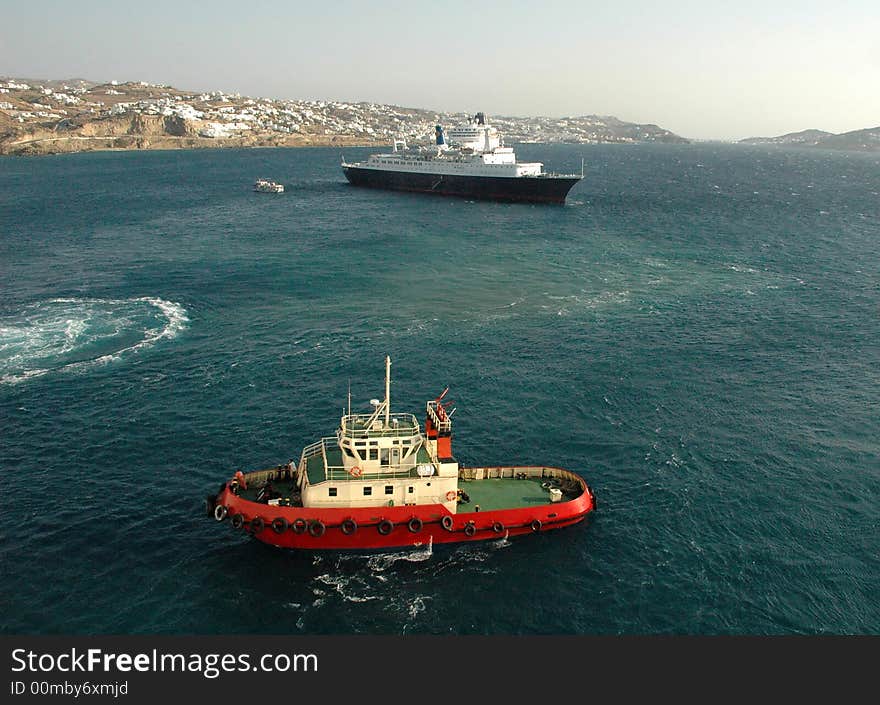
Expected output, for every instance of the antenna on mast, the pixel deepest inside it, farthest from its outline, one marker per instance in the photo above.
(349, 396)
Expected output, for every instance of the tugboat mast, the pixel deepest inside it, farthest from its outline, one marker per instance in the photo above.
(387, 391)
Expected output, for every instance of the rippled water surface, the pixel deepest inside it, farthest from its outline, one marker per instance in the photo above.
(695, 332)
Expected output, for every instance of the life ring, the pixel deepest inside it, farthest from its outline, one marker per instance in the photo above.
(220, 512)
(317, 528)
(497, 527)
(385, 527)
(446, 522)
(257, 525)
(452, 494)
(470, 530)
(414, 525)
(279, 525)
(299, 525)
(349, 526)
(536, 525)
(237, 521)
(355, 471)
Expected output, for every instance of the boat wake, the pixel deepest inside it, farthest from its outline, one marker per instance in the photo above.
(381, 562)
(70, 334)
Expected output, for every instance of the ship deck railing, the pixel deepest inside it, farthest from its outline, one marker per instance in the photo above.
(360, 426)
(322, 461)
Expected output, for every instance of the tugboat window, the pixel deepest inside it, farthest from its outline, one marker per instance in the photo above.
(368, 491)
(374, 453)
(389, 489)
(410, 489)
(331, 491)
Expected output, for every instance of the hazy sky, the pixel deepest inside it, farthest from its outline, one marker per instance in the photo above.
(703, 69)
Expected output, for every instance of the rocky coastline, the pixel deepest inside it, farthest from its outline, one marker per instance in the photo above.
(50, 117)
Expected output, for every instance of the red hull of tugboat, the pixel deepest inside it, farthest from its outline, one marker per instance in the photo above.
(393, 527)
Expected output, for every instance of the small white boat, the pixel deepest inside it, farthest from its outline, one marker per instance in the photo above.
(267, 186)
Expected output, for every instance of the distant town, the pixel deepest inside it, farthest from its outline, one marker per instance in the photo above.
(42, 117)
(49, 116)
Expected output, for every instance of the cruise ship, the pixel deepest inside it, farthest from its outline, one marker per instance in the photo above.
(472, 163)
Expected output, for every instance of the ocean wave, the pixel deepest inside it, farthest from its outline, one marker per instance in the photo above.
(69, 334)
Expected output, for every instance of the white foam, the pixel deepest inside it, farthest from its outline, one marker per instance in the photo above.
(383, 561)
(61, 327)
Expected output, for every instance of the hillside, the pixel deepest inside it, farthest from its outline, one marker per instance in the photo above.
(42, 117)
(866, 140)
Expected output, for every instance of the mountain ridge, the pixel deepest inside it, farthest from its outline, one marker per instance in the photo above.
(863, 140)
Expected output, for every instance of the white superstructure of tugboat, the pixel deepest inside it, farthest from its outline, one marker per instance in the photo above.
(473, 164)
(383, 481)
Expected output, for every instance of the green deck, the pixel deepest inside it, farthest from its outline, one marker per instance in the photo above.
(502, 494)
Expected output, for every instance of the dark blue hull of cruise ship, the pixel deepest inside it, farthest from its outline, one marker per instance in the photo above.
(525, 189)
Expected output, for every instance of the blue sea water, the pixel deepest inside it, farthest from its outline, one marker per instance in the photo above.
(696, 332)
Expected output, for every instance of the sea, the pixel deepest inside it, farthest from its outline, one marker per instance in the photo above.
(696, 332)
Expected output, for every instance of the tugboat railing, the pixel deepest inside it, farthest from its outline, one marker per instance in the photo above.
(340, 472)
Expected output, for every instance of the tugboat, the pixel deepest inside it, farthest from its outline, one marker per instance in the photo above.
(382, 482)
(267, 186)
(477, 165)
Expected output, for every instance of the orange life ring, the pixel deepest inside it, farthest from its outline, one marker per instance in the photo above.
(355, 471)
(451, 495)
